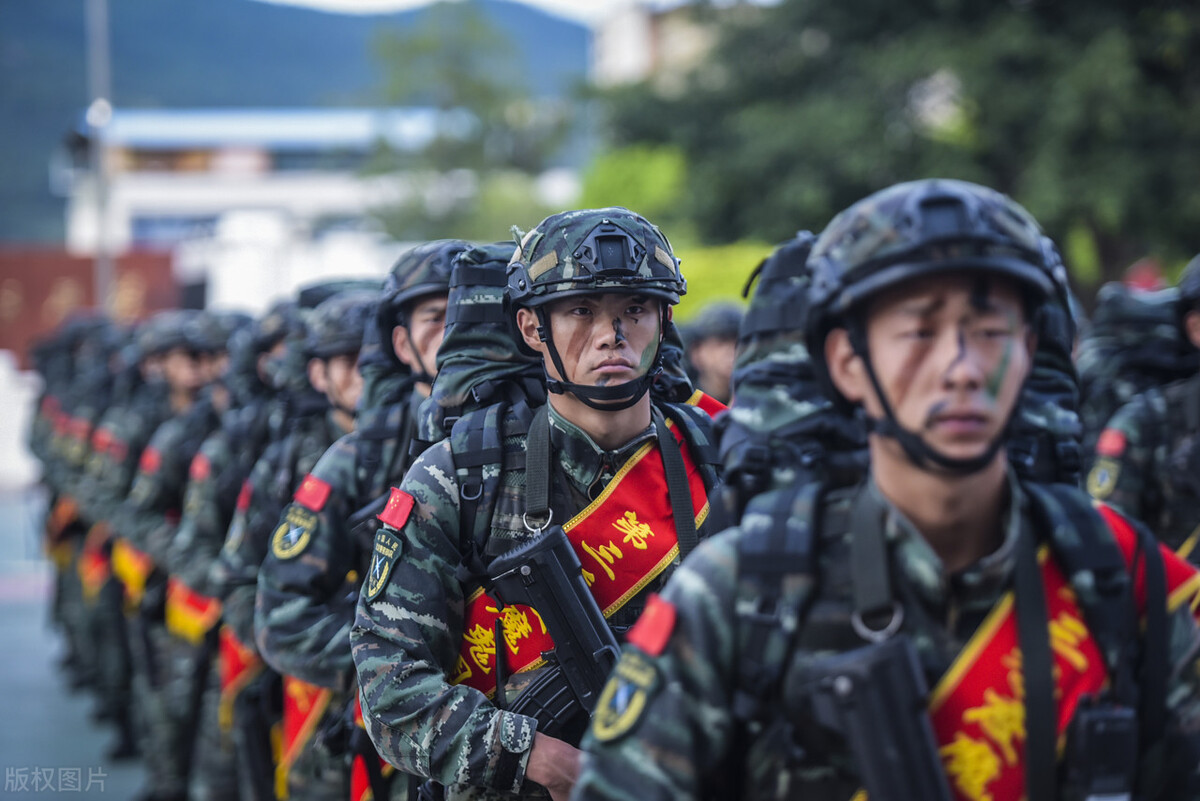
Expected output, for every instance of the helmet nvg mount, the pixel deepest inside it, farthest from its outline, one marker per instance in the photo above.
(912, 230)
(587, 252)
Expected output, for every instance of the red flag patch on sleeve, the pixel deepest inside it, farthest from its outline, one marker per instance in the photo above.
(150, 461)
(200, 468)
(243, 498)
(312, 493)
(654, 627)
(1111, 442)
(398, 508)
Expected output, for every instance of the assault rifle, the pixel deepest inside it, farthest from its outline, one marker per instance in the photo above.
(546, 575)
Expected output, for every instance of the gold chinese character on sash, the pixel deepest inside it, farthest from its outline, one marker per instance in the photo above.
(516, 625)
(635, 533)
(605, 555)
(1067, 634)
(972, 765)
(483, 646)
(1002, 720)
(462, 671)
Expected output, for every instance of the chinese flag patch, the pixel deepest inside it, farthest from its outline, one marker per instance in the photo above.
(312, 493)
(200, 468)
(654, 627)
(243, 498)
(150, 461)
(398, 508)
(1111, 442)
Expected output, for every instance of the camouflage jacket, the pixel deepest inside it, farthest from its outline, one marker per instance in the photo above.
(117, 443)
(668, 727)
(234, 574)
(1147, 463)
(215, 478)
(308, 586)
(409, 628)
(150, 516)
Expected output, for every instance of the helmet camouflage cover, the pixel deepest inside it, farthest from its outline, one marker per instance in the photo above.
(593, 250)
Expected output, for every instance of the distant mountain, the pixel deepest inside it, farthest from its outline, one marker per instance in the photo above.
(209, 53)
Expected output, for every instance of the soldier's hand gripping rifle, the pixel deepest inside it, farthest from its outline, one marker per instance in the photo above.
(546, 575)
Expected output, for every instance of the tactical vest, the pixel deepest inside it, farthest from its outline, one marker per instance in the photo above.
(778, 567)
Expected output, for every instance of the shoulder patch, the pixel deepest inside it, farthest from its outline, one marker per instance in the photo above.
(1102, 479)
(387, 548)
(399, 507)
(200, 468)
(623, 701)
(150, 461)
(292, 536)
(1111, 442)
(312, 493)
(654, 627)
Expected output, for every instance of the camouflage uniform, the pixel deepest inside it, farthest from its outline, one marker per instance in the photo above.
(410, 621)
(306, 597)
(713, 696)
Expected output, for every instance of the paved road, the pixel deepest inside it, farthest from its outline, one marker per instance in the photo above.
(49, 747)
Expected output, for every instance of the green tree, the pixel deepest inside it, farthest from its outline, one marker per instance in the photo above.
(494, 135)
(1085, 112)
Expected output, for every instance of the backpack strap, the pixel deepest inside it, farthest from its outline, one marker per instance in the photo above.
(698, 432)
(1085, 544)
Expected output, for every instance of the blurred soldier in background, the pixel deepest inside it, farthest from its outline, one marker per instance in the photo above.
(215, 477)
(710, 342)
(322, 385)
(1147, 459)
(590, 292)
(790, 657)
(305, 606)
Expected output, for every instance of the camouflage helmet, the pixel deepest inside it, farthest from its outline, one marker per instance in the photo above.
(911, 230)
(281, 319)
(423, 270)
(589, 251)
(920, 228)
(164, 331)
(209, 331)
(720, 320)
(336, 326)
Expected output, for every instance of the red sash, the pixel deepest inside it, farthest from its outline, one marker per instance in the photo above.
(132, 567)
(94, 570)
(706, 403)
(190, 615)
(239, 666)
(360, 782)
(303, 706)
(624, 540)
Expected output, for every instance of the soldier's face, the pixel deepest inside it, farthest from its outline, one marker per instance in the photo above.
(951, 354)
(183, 370)
(602, 339)
(417, 345)
(338, 379)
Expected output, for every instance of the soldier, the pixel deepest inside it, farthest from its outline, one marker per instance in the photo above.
(305, 606)
(215, 477)
(789, 657)
(1147, 459)
(320, 411)
(591, 293)
(711, 340)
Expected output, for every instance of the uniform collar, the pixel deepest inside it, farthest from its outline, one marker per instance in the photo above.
(924, 570)
(586, 464)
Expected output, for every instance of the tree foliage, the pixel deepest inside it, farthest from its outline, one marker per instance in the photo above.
(1087, 113)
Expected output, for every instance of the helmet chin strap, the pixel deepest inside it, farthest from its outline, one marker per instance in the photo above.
(915, 447)
(421, 375)
(604, 399)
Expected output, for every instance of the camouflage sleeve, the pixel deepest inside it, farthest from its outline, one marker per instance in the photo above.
(305, 602)
(203, 525)
(234, 573)
(1121, 470)
(143, 515)
(664, 717)
(406, 641)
